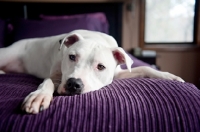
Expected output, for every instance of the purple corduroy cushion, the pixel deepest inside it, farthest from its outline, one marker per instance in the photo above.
(43, 28)
(126, 105)
(2, 32)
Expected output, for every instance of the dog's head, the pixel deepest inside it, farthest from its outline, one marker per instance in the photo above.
(88, 65)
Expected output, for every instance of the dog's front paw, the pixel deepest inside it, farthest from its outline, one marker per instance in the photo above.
(37, 101)
(169, 76)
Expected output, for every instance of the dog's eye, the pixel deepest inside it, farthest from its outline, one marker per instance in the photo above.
(100, 67)
(72, 57)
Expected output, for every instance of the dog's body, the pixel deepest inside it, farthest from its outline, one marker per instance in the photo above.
(81, 62)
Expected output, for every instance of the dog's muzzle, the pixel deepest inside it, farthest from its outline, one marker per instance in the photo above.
(74, 86)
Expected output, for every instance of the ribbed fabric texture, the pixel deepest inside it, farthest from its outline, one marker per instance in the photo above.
(128, 105)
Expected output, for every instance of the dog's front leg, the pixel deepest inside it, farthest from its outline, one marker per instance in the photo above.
(40, 99)
(144, 71)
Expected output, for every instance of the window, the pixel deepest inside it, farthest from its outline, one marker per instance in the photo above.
(168, 21)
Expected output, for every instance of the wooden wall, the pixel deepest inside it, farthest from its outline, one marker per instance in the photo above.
(183, 61)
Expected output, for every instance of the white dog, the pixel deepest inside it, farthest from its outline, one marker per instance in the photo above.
(74, 63)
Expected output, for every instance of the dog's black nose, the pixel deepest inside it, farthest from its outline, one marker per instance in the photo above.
(74, 85)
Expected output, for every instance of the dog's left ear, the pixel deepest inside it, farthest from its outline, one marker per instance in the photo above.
(70, 40)
(121, 57)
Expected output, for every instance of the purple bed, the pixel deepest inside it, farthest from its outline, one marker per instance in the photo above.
(126, 105)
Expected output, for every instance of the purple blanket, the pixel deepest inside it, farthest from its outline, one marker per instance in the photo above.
(126, 105)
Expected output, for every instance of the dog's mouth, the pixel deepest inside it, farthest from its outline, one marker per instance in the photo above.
(66, 93)
(71, 92)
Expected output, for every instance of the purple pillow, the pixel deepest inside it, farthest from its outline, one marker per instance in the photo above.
(100, 16)
(43, 28)
(2, 32)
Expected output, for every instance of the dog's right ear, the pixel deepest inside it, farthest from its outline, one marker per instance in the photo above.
(121, 57)
(70, 40)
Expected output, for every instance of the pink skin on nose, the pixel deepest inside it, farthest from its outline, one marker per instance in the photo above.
(63, 91)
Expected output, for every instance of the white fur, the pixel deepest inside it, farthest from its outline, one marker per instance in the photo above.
(46, 58)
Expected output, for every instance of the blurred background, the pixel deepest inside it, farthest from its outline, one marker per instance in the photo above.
(162, 33)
